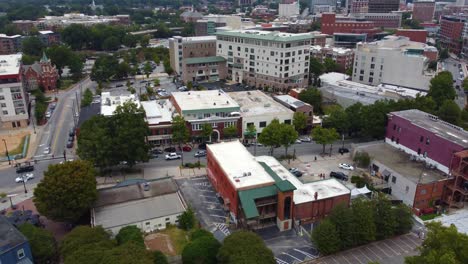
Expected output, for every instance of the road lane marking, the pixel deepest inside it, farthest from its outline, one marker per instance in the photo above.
(292, 256)
(305, 253)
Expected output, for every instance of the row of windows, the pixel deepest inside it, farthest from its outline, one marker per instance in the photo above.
(198, 127)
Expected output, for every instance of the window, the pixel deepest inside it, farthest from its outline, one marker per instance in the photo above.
(421, 139)
(262, 124)
(230, 47)
(3, 104)
(361, 78)
(214, 125)
(393, 138)
(220, 46)
(287, 121)
(200, 71)
(5, 112)
(238, 48)
(427, 141)
(229, 124)
(250, 124)
(372, 66)
(407, 189)
(147, 223)
(371, 79)
(2, 97)
(20, 253)
(167, 219)
(394, 126)
(423, 191)
(196, 127)
(393, 179)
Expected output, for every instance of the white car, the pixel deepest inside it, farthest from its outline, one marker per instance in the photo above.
(306, 139)
(48, 114)
(298, 141)
(26, 177)
(47, 151)
(173, 156)
(346, 166)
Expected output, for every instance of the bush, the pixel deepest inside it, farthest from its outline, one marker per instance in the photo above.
(187, 219)
(202, 250)
(159, 257)
(362, 159)
(326, 238)
(198, 233)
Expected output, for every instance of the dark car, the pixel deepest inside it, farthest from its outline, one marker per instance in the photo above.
(339, 175)
(156, 151)
(24, 168)
(202, 146)
(170, 149)
(70, 144)
(343, 150)
(71, 133)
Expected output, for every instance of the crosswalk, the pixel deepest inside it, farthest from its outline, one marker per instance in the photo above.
(223, 228)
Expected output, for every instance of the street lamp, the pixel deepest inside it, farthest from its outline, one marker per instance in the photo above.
(24, 184)
(6, 150)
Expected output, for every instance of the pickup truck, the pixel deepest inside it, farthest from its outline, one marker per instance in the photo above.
(173, 156)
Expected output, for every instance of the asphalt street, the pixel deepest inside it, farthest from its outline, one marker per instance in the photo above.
(451, 65)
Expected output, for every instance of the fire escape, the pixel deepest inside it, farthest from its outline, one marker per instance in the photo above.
(457, 187)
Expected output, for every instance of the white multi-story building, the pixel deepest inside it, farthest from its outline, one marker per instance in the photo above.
(288, 10)
(395, 60)
(270, 60)
(13, 98)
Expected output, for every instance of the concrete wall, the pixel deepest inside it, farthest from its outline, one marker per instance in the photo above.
(150, 224)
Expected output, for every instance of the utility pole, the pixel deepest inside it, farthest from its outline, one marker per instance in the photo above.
(64, 155)
(24, 184)
(6, 150)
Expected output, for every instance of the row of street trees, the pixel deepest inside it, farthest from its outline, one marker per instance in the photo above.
(362, 223)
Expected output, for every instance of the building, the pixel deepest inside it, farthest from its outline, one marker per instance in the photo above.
(358, 6)
(208, 24)
(381, 20)
(342, 56)
(423, 11)
(10, 44)
(259, 109)
(190, 16)
(202, 69)
(288, 10)
(14, 246)
(297, 105)
(159, 116)
(318, 39)
(330, 25)
(148, 204)
(396, 61)
(262, 59)
(348, 40)
(181, 48)
(245, 2)
(13, 97)
(41, 74)
(57, 22)
(452, 32)
(408, 179)
(25, 26)
(426, 137)
(383, 6)
(418, 35)
(314, 3)
(111, 100)
(49, 37)
(456, 191)
(214, 107)
(259, 192)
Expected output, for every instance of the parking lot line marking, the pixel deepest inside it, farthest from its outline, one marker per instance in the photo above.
(385, 243)
(211, 196)
(371, 251)
(412, 240)
(218, 216)
(280, 261)
(205, 190)
(305, 253)
(292, 256)
(217, 209)
(411, 247)
(354, 256)
(393, 242)
(210, 202)
(385, 253)
(345, 259)
(364, 254)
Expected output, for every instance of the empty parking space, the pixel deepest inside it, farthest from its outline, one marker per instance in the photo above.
(389, 251)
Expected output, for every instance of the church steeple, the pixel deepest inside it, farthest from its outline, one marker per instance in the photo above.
(44, 58)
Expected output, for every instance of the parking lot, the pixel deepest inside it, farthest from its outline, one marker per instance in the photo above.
(389, 251)
(201, 196)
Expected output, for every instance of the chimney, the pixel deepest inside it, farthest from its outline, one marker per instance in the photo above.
(316, 195)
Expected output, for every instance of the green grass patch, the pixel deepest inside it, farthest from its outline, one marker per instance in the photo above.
(66, 83)
(428, 217)
(19, 148)
(178, 237)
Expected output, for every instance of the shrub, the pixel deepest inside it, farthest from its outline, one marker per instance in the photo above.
(362, 159)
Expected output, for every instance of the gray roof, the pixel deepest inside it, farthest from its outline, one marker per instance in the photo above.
(191, 14)
(10, 237)
(435, 125)
(132, 212)
(35, 66)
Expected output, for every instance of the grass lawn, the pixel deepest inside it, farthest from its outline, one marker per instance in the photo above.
(428, 217)
(66, 83)
(19, 148)
(178, 237)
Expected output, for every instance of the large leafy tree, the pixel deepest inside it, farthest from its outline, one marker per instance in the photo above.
(404, 218)
(201, 250)
(299, 121)
(187, 219)
(324, 136)
(384, 218)
(342, 217)
(354, 123)
(32, 46)
(330, 65)
(270, 135)
(326, 238)
(441, 88)
(128, 253)
(338, 118)
(287, 136)
(313, 97)
(316, 68)
(76, 36)
(450, 112)
(251, 131)
(60, 56)
(363, 221)
(230, 132)
(95, 142)
(43, 244)
(244, 247)
(130, 233)
(67, 191)
(180, 132)
(104, 68)
(206, 131)
(442, 245)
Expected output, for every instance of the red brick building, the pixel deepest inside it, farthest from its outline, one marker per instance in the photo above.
(451, 32)
(456, 191)
(41, 74)
(418, 35)
(330, 24)
(342, 56)
(423, 11)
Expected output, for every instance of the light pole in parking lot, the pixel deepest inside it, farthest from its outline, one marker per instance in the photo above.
(6, 150)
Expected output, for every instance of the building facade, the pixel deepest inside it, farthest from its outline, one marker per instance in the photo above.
(202, 69)
(330, 25)
(14, 247)
(213, 107)
(41, 74)
(275, 60)
(297, 105)
(342, 56)
(10, 44)
(382, 20)
(418, 35)
(159, 118)
(456, 191)
(451, 33)
(13, 97)
(288, 10)
(395, 61)
(383, 6)
(423, 11)
(358, 6)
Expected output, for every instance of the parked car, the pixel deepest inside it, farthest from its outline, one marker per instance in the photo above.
(186, 148)
(24, 168)
(25, 177)
(298, 141)
(48, 114)
(71, 133)
(173, 156)
(170, 149)
(153, 156)
(343, 150)
(247, 144)
(119, 85)
(346, 166)
(70, 144)
(295, 172)
(202, 146)
(339, 175)
(156, 151)
(52, 106)
(47, 151)
(306, 139)
(183, 88)
(200, 153)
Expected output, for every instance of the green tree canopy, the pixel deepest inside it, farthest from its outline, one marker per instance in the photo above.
(324, 136)
(404, 217)
(60, 56)
(326, 237)
(76, 36)
(84, 236)
(338, 118)
(316, 68)
(270, 135)
(244, 247)
(363, 221)
(251, 131)
(32, 46)
(384, 217)
(441, 88)
(330, 65)
(159, 258)
(342, 217)
(299, 121)
(67, 191)
(87, 98)
(450, 112)
(206, 131)
(147, 69)
(130, 233)
(187, 219)
(104, 68)
(287, 136)
(128, 253)
(201, 250)
(313, 97)
(43, 244)
(465, 84)
(230, 132)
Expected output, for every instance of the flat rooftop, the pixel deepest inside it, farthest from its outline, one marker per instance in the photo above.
(110, 101)
(400, 162)
(10, 64)
(266, 35)
(289, 100)
(136, 211)
(257, 103)
(201, 100)
(241, 168)
(196, 39)
(305, 192)
(437, 126)
(158, 111)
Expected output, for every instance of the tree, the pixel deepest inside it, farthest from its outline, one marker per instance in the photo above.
(230, 132)
(104, 68)
(96, 142)
(251, 131)
(338, 118)
(299, 121)
(67, 191)
(156, 82)
(313, 97)
(326, 237)
(324, 136)
(441, 88)
(342, 217)
(465, 84)
(405, 219)
(123, 70)
(180, 132)
(147, 69)
(198, 233)
(144, 41)
(128, 253)
(76, 36)
(159, 258)
(201, 250)
(76, 66)
(330, 65)
(270, 135)
(60, 56)
(244, 247)
(206, 131)
(315, 69)
(442, 245)
(84, 236)
(130, 233)
(362, 159)
(87, 98)
(384, 217)
(42, 242)
(450, 112)
(288, 136)
(363, 221)
(129, 41)
(32, 46)
(187, 219)
(444, 54)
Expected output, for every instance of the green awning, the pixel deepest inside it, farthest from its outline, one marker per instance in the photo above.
(247, 199)
(283, 185)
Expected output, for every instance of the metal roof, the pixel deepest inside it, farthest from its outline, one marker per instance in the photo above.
(10, 237)
(204, 60)
(283, 185)
(248, 197)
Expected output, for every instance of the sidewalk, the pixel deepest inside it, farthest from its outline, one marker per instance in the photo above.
(17, 194)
